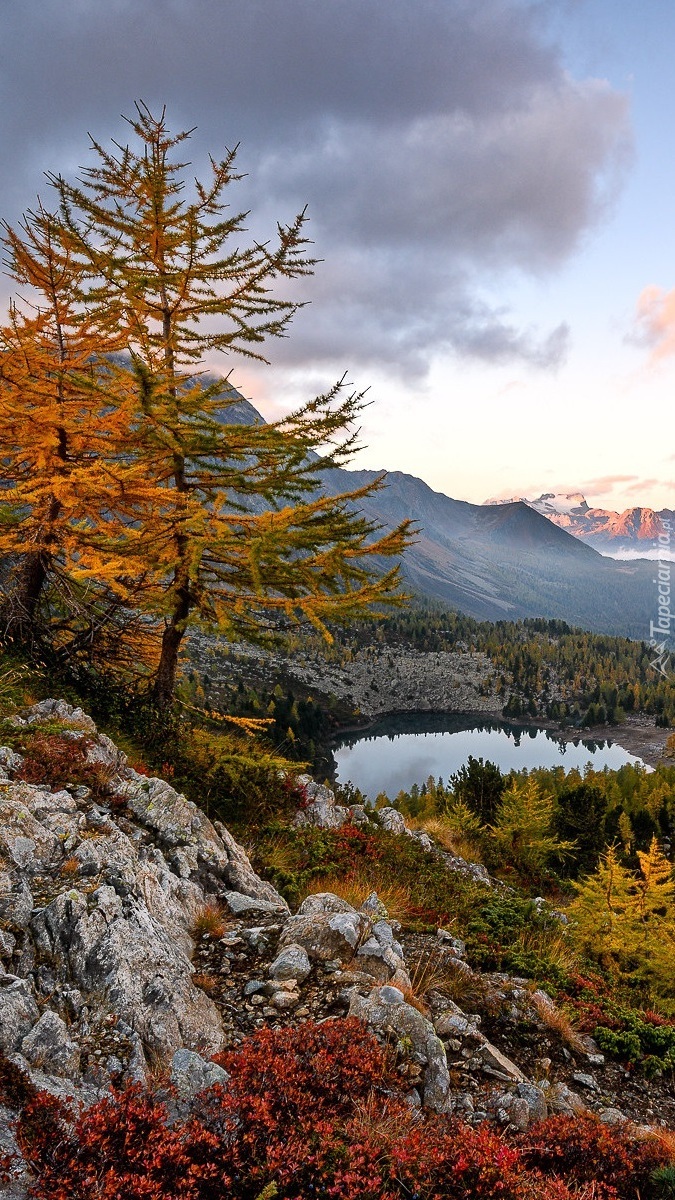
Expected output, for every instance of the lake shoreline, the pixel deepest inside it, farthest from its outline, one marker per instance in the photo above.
(392, 752)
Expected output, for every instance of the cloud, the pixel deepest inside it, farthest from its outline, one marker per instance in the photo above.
(641, 485)
(440, 146)
(606, 483)
(655, 322)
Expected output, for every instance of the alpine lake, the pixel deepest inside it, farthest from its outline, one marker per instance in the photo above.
(398, 751)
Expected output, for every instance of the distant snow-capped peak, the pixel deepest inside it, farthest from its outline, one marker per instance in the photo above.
(550, 503)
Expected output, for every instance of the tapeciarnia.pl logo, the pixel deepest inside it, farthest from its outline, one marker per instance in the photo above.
(659, 630)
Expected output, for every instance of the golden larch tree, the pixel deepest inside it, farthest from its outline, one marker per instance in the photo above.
(234, 528)
(58, 531)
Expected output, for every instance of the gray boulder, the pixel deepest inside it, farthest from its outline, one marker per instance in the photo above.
(320, 808)
(50, 1047)
(192, 1074)
(291, 963)
(239, 903)
(326, 935)
(386, 1013)
(392, 820)
(110, 946)
(18, 1011)
(57, 710)
(323, 902)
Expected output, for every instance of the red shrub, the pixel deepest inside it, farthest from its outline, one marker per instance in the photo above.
(55, 760)
(313, 1110)
(120, 1149)
(282, 1078)
(353, 844)
(584, 1150)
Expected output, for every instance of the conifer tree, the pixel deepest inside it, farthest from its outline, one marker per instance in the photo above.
(628, 920)
(602, 907)
(56, 424)
(522, 833)
(234, 531)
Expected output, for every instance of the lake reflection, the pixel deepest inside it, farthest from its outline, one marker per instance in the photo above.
(399, 751)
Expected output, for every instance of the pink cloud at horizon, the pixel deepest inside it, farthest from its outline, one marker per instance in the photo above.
(656, 320)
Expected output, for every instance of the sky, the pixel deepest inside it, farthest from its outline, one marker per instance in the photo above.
(491, 193)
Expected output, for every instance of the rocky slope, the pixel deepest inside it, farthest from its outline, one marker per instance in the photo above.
(135, 937)
(376, 680)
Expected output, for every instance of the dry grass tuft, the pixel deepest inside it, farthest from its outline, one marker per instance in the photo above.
(553, 948)
(210, 919)
(381, 1122)
(557, 1022)
(665, 1137)
(279, 855)
(70, 867)
(448, 836)
(357, 885)
(435, 971)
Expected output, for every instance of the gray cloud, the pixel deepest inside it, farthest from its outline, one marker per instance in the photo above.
(439, 144)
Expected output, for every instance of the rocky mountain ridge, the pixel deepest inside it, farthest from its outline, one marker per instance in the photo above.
(635, 531)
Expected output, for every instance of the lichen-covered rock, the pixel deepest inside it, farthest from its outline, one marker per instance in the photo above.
(561, 1099)
(535, 1099)
(239, 903)
(321, 902)
(97, 910)
(56, 710)
(386, 1013)
(109, 945)
(320, 808)
(291, 963)
(18, 1011)
(327, 935)
(239, 874)
(330, 930)
(192, 1074)
(392, 820)
(50, 1047)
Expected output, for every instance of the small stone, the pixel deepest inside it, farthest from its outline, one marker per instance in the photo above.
(285, 1000)
(535, 1100)
(391, 995)
(454, 1025)
(456, 945)
(253, 986)
(492, 1059)
(613, 1117)
(584, 1080)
